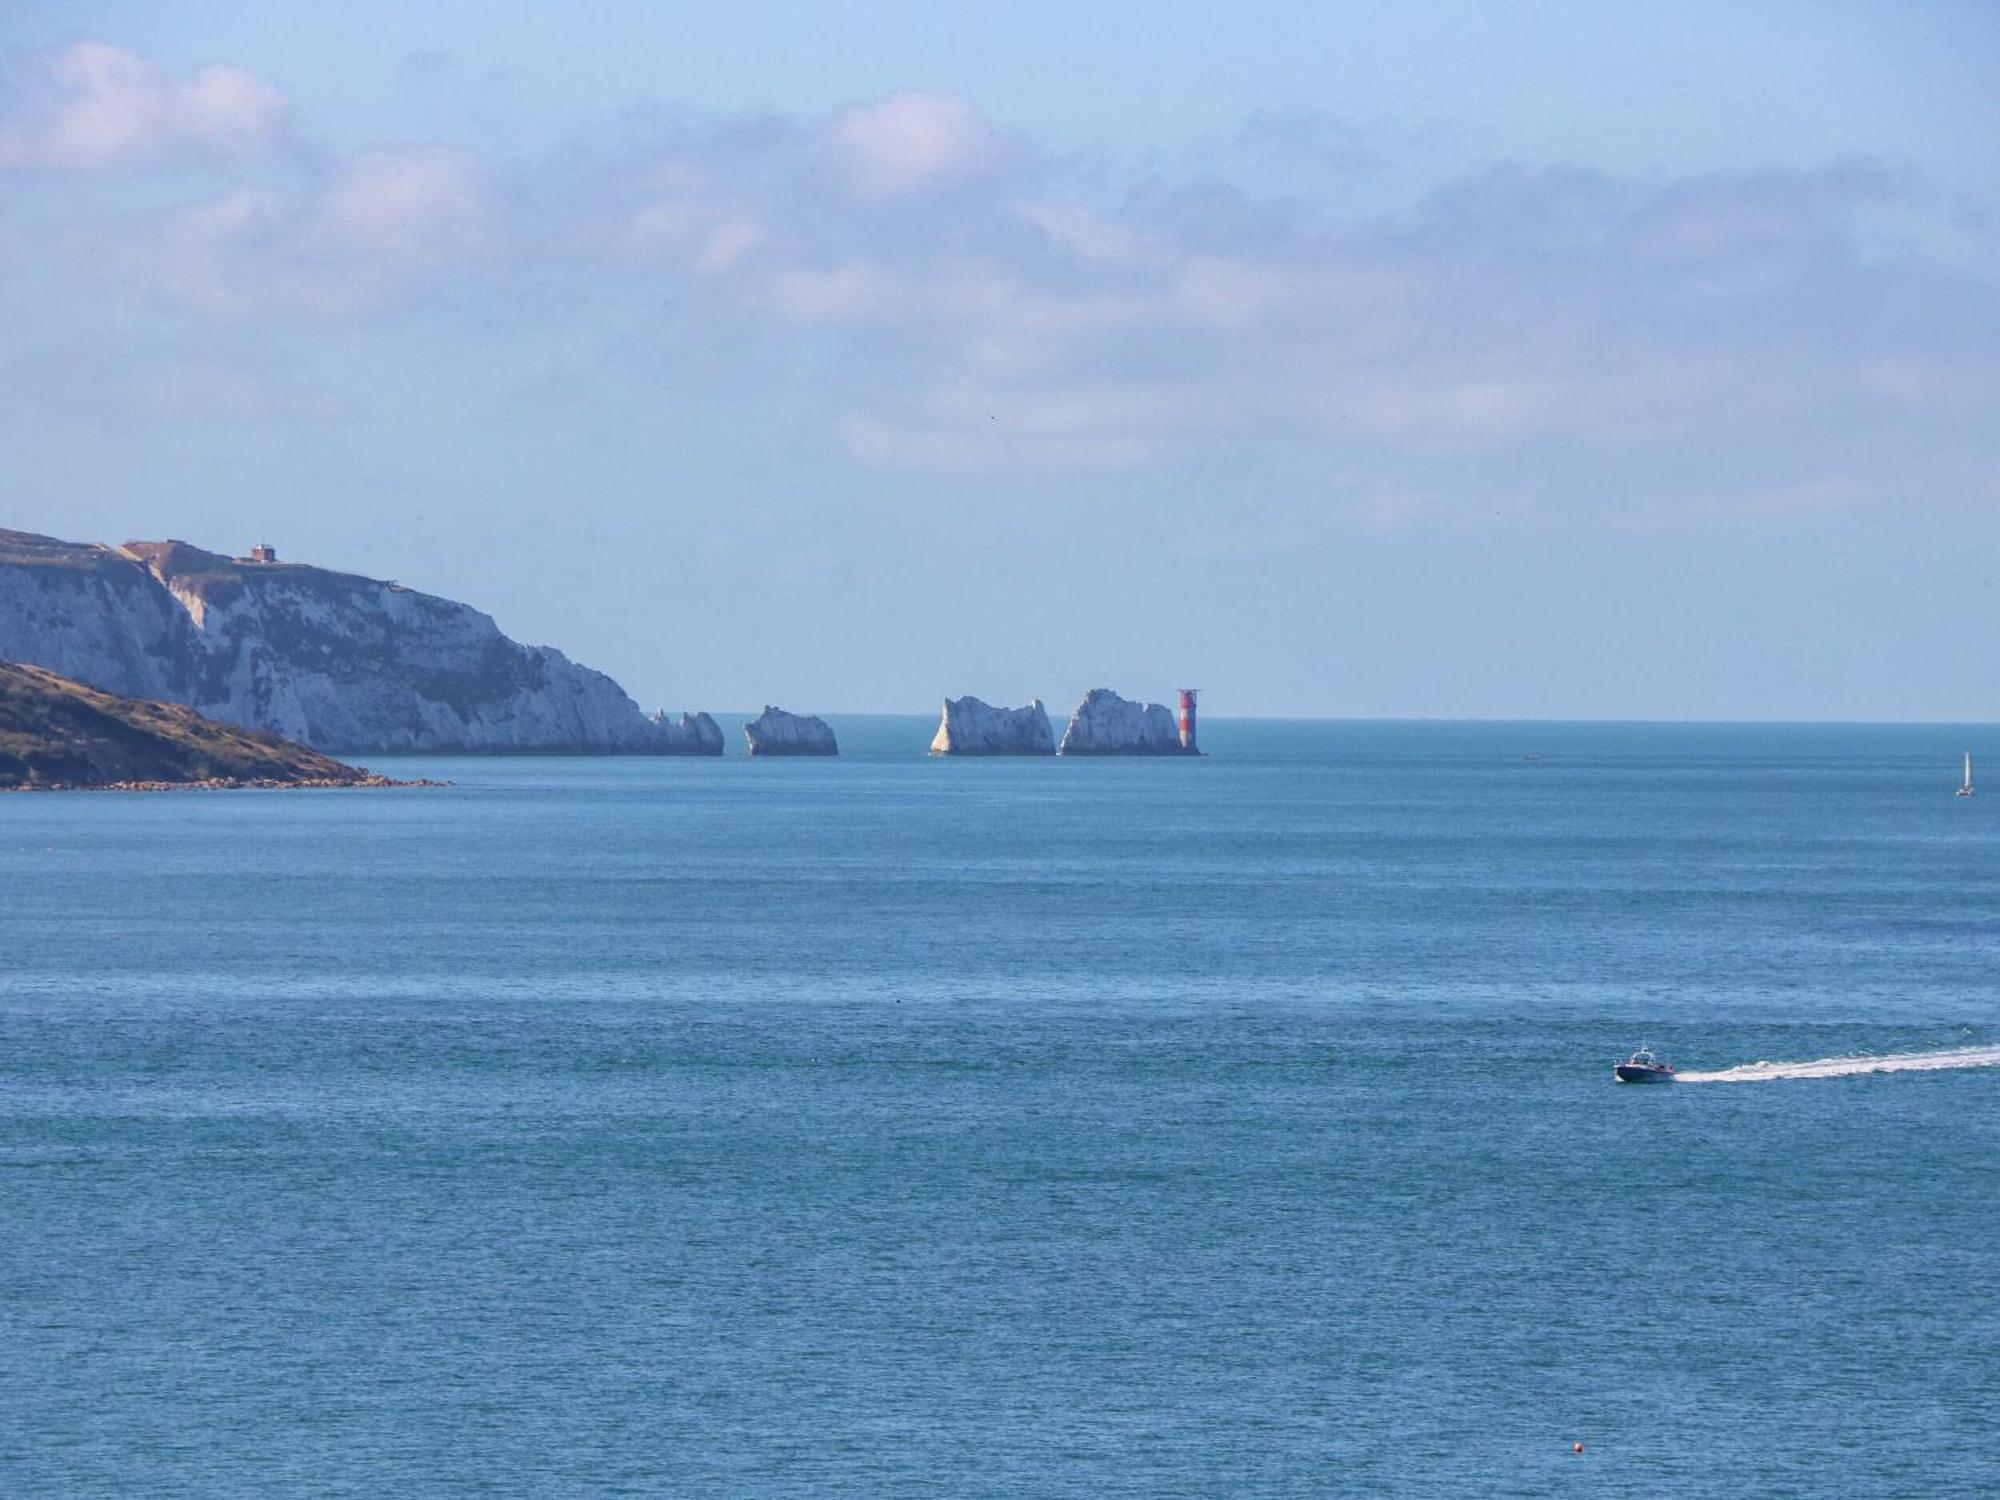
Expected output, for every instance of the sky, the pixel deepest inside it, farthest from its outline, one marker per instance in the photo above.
(1564, 360)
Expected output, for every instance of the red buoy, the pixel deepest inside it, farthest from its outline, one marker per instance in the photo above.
(1577, 1449)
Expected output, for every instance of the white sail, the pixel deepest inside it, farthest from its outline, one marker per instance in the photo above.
(1968, 768)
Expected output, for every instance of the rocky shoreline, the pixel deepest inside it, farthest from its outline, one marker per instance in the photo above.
(57, 734)
(225, 784)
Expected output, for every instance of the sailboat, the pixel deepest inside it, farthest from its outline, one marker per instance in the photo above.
(1966, 790)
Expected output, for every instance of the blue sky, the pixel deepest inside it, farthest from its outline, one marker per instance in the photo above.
(1558, 360)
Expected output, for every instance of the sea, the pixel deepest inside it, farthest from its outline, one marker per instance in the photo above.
(893, 1126)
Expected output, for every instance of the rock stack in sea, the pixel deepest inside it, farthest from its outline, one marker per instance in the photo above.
(775, 732)
(970, 727)
(692, 734)
(1106, 724)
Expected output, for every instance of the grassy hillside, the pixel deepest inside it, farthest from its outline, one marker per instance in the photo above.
(56, 732)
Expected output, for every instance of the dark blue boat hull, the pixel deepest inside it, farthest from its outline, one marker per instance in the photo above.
(1627, 1073)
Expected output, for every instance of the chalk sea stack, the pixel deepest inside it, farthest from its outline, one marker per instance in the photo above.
(775, 732)
(1106, 724)
(970, 727)
(691, 734)
(331, 660)
(57, 733)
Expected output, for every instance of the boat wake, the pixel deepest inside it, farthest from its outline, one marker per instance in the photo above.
(1849, 1067)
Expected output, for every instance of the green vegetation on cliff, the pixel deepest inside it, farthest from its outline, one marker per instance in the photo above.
(58, 733)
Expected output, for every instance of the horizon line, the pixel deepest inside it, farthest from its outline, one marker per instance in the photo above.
(1636, 719)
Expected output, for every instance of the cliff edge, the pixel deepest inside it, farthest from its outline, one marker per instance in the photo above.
(970, 727)
(331, 660)
(775, 732)
(1106, 724)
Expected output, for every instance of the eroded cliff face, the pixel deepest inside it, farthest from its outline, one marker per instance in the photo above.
(775, 732)
(1106, 724)
(331, 660)
(970, 727)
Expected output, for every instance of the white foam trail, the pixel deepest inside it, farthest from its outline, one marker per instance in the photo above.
(1848, 1067)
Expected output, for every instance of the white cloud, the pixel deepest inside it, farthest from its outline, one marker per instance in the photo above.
(88, 379)
(101, 106)
(727, 244)
(418, 205)
(1089, 236)
(707, 236)
(964, 448)
(936, 302)
(373, 231)
(1537, 318)
(198, 260)
(908, 142)
(838, 294)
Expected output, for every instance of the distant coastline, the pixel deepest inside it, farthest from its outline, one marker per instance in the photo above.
(224, 784)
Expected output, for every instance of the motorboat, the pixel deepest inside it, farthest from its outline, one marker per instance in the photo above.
(1643, 1066)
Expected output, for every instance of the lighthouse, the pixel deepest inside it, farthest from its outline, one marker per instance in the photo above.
(1187, 721)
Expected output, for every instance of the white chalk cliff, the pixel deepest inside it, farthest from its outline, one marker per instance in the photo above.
(970, 727)
(775, 732)
(331, 660)
(1106, 724)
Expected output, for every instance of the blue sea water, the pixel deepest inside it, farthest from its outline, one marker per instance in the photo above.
(889, 1126)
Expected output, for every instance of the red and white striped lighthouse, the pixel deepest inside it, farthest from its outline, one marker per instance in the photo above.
(1187, 721)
